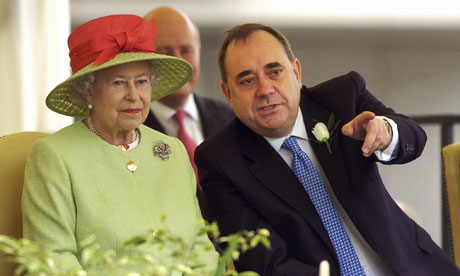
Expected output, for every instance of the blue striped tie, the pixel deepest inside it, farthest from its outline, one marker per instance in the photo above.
(309, 177)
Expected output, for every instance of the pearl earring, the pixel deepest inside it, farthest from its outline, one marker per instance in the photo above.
(90, 106)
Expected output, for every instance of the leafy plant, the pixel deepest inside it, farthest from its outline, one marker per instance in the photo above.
(139, 256)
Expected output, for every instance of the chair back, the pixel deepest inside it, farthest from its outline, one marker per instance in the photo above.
(451, 170)
(13, 154)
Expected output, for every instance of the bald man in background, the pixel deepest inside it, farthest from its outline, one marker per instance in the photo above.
(178, 36)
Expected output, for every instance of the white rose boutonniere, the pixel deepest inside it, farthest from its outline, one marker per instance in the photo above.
(323, 133)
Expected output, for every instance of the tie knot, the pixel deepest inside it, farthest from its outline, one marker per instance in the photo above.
(179, 116)
(291, 145)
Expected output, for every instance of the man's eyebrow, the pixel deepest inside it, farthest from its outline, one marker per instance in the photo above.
(243, 74)
(267, 66)
(272, 65)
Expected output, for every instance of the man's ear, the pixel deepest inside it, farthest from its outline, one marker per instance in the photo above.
(297, 71)
(226, 92)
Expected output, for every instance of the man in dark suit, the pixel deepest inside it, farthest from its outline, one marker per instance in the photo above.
(178, 36)
(250, 181)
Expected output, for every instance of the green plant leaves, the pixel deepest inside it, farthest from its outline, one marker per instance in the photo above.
(139, 256)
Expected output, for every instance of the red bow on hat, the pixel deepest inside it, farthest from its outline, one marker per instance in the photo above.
(101, 39)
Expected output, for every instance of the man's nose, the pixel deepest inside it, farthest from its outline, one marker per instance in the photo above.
(265, 87)
(177, 53)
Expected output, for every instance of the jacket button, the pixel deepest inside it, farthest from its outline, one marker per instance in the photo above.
(410, 147)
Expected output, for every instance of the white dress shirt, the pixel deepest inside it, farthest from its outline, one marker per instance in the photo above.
(372, 264)
(192, 120)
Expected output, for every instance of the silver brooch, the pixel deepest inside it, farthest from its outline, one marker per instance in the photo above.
(163, 150)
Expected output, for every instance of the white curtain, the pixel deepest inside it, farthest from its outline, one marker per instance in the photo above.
(33, 60)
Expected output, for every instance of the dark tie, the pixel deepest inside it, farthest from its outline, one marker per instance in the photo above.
(306, 172)
(188, 142)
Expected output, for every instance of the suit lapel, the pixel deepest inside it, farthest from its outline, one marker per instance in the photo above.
(270, 169)
(153, 122)
(332, 164)
(208, 123)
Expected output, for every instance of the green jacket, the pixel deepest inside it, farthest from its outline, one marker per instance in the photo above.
(76, 183)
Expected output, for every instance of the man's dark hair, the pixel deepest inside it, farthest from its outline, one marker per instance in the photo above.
(242, 32)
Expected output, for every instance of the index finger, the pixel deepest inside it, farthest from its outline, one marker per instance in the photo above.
(369, 139)
(364, 118)
(356, 128)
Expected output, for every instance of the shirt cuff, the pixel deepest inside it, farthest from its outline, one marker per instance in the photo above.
(391, 151)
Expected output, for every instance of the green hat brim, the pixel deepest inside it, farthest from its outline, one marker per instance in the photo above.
(171, 74)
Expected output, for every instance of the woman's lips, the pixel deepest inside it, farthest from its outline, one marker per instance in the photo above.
(132, 110)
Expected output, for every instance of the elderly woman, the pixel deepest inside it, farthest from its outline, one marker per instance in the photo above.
(108, 172)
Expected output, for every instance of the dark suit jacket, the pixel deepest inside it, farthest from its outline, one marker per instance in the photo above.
(214, 114)
(247, 185)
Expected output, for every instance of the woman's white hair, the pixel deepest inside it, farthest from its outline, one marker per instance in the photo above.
(84, 85)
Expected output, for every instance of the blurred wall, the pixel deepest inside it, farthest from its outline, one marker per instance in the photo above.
(34, 59)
